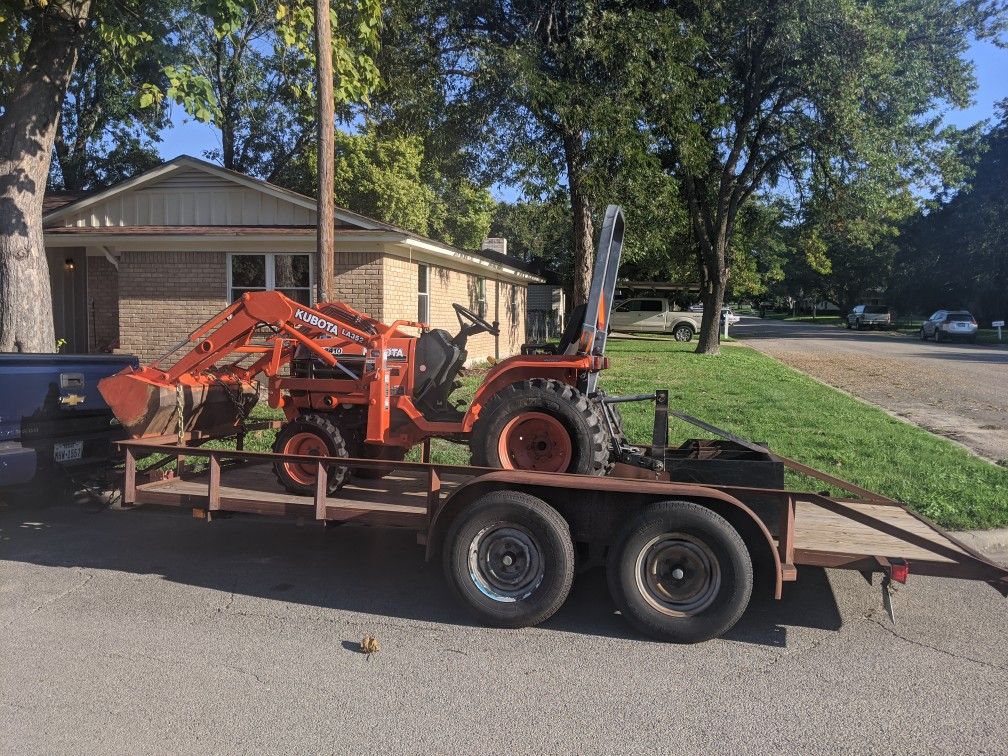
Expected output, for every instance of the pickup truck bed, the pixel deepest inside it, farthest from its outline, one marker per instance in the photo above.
(51, 414)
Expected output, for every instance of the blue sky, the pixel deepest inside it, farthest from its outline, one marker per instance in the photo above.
(991, 65)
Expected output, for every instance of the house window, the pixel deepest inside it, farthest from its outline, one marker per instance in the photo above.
(289, 274)
(513, 304)
(423, 294)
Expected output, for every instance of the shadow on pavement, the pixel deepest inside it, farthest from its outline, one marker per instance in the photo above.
(366, 570)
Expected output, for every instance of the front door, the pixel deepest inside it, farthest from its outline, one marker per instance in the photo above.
(68, 281)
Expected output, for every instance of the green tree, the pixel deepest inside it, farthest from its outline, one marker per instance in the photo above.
(387, 179)
(104, 136)
(792, 92)
(42, 40)
(956, 253)
(261, 86)
(543, 94)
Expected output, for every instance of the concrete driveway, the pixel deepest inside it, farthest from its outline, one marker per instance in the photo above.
(145, 632)
(956, 390)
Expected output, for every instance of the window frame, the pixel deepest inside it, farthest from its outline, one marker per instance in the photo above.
(271, 273)
(423, 295)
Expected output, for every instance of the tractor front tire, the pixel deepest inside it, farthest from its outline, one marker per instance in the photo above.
(312, 434)
(543, 425)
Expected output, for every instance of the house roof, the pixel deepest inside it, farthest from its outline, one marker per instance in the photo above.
(57, 206)
(55, 200)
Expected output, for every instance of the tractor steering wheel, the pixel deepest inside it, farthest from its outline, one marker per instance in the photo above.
(464, 313)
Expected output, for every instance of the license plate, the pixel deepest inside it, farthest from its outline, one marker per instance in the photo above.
(69, 451)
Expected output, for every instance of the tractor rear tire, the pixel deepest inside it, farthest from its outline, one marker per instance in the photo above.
(316, 435)
(544, 425)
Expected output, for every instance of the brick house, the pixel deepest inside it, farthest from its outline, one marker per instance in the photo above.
(138, 266)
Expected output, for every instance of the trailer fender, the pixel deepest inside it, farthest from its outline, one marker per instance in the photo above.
(741, 516)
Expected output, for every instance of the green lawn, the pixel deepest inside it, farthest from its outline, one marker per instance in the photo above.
(759, 398)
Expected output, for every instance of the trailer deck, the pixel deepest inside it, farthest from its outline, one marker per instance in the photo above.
(808, 529)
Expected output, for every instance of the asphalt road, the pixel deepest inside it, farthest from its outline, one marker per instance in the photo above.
(145, 632)
(956, 390)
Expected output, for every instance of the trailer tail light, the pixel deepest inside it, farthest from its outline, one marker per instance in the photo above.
(900, 572)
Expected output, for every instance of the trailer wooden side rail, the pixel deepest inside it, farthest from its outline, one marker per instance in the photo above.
(670, 582)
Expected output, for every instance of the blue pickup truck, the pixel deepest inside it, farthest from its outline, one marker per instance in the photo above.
(52, 416)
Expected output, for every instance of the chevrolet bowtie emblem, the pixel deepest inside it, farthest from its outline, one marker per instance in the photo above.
(72, 400)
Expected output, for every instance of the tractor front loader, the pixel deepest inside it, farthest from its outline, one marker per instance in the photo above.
(351, 386)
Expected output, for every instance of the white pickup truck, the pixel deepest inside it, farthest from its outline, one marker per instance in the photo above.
(654, 315)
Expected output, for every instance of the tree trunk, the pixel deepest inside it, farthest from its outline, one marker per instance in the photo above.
(326, 148)
(27, 132)
(714, 281)
(584, 247)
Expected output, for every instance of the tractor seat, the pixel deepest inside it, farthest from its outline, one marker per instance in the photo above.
(572, 331)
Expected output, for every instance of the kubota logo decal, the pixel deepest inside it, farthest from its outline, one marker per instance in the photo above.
(325, 325)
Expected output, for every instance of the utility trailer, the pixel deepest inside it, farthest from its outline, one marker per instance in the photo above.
(680, 556)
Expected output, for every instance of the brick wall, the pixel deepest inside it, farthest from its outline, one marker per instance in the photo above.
(102, 304)
(450, 286)
(165, 295)
(400, 291)
(360, 280)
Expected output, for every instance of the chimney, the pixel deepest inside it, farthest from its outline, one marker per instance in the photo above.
(496, 244)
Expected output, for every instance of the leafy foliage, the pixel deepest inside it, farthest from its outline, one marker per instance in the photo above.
(107, 132)
(798, 94)
(957, 254)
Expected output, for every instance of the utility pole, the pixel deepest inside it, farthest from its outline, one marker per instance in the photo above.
(326, 146)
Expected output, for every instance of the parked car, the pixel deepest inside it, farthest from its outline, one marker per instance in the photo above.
(654, 315)
(947, 325)
(869, 316)
(52, 416)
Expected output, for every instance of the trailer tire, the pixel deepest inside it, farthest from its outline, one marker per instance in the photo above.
(315, 434)
(680, 572)
(509, 558)
(569, 428)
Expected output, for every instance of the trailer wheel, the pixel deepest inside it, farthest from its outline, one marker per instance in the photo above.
(680, 572)
(314, 435)
(541, 424)
(510, 559)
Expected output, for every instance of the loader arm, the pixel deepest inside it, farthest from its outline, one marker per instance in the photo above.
(217, 396)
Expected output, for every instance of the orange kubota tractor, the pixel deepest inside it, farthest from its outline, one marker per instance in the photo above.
(359, 388)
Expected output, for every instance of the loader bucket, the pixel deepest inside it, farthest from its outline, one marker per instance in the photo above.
(147, 409)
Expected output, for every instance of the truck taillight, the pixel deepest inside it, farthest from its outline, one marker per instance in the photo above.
(900, 572)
